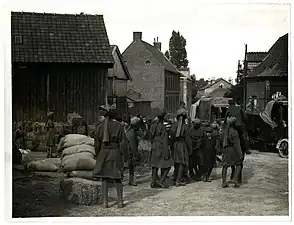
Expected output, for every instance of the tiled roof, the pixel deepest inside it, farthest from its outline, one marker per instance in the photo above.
(48, 37)
(161, 58)
(276, 62)
(255, 56)
(219, 92)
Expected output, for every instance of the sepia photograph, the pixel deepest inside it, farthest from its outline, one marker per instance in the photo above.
(147, 108)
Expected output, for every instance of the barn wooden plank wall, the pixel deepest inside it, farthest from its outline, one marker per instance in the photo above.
(76, 88)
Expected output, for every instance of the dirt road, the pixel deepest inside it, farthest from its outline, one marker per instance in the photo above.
(264, 193)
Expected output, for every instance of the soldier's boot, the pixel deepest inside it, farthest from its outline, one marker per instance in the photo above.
(224, 177)
(119, 189)
(237, 176)
(154, 183)
(131, 177)
(233, 172)
(240, 174)
(209, 175)
(164, 174)
(105, 193)
(180, 176)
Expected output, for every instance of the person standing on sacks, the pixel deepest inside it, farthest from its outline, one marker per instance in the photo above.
(160, 156)
(109, 138)
(131, 152)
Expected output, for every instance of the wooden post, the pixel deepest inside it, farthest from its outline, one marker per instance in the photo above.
(48, 92)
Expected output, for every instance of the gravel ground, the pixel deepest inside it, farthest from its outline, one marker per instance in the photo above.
(264, 193)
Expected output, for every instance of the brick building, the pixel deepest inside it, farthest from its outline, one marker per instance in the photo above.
(153, 75)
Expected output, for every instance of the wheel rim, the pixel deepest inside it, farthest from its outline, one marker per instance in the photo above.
(283, 149)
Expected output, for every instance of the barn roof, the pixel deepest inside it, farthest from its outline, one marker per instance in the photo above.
(59, 38)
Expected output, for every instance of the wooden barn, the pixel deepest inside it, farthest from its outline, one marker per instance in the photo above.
(60, 63)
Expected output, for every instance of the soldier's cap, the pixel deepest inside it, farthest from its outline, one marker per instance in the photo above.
(213, 125)
(196, 121)
(135, 120)
(104, 107)
(50, 113)
(162, 113)
(231, 120)
(208, 130)
(182, 112)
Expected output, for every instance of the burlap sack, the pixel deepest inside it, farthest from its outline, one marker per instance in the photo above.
(78, 161)
(78, 149)
(86, 174)
(77, 139)
(45, 165)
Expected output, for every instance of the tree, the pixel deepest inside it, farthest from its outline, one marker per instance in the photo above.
(167, 54)
(196, 85)
(177, 50)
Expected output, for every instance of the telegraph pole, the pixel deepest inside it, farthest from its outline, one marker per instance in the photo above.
(245, 70)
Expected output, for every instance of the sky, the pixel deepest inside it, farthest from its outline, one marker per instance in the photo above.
(215, 33)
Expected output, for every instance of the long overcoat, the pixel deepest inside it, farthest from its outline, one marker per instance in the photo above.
(160, 156)
(208, 148)
(109, 162)
(182, 145)
(232, 153)
(196, 137)
(131, 153)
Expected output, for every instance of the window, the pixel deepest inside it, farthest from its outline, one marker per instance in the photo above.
(147, 63)
(221, 85)
(18, 39)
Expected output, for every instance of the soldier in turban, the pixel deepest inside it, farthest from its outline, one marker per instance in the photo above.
(109, 138)
(181, 145)
(160, 157)
(232, 153)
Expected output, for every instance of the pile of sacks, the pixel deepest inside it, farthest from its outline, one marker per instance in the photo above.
(78, 155)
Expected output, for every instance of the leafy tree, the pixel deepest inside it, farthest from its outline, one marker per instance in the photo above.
(196, 85)
(167, 54)
(177, 50)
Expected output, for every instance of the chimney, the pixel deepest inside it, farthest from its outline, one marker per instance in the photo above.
(137, 36)
(157, 44)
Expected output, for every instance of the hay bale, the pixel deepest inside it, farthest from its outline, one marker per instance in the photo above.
(80, 191)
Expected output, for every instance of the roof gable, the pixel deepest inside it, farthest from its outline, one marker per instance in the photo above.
(115, 49)
(160, 57)
(217, 80)
(136, 46)
(68, 38)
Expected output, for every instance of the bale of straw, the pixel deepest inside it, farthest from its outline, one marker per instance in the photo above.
(80, 191)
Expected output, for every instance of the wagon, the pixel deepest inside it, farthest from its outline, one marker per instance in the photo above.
(268, 130)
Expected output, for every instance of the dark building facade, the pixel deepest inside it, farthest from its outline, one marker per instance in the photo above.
(60, 63)
(269, 78)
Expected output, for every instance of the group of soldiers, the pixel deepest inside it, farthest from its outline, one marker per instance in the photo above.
(191, 151)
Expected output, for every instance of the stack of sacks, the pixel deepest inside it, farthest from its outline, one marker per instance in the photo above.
(45, 165)
(78, 155)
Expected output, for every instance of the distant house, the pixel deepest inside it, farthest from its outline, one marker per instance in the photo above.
(269, 78)
(59, 63)
(153, 75)
(118, 78)
(219, 83)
